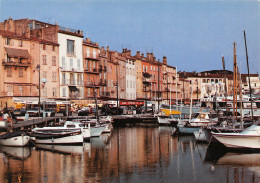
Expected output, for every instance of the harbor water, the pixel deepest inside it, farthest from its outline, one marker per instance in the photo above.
(130, 154)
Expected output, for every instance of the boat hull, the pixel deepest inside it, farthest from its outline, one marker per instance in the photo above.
(97, 130)
(72, 139)
(237, 141)
(200, 135)
(188, 130)
(20, 141)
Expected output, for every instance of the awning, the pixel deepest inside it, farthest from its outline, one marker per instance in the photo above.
(73, 88)
(17, 53)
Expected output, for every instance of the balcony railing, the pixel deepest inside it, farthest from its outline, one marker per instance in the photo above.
(90, 84)
(105, 94)
(15, 63)
(92, 70)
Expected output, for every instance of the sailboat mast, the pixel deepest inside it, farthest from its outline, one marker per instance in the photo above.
(234, 84)
(225, 79)
(250, 90)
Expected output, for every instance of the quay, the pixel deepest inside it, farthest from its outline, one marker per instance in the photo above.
(30, 124)
(137, 120)
(120, 121)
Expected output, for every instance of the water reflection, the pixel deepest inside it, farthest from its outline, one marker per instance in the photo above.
(132, 154)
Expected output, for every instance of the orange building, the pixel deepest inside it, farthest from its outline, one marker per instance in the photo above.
(92, 69)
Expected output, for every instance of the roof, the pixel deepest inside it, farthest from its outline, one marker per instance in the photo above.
(17, 53)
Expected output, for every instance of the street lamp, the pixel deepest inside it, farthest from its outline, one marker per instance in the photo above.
(44, 81)
(39, 103)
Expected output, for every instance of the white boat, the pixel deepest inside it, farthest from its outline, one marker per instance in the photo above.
(108, 129)
(203, 119)
(68, 125)
(249, 138)
(62, 137)
(14, 139)
(96, 131)
(3, 125)
(200, 135)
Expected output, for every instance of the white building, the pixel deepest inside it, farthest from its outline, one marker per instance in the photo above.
(71, 63)
(130, 80)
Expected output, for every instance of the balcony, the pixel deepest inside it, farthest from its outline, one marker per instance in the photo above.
(146, 75)
(91, 71)
(16, 64)
(103, 82)
(88, 57)
(90, 84)
(105, 94)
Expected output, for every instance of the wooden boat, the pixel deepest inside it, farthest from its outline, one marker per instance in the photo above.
(247, 139)
(201, 119)
(68, 125)
(57, 136)
(17, 138)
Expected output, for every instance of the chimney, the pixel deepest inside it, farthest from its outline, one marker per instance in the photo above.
(128, 53)
(165, 60)
(138, 54)
(87, 40)
(151, 56)
(148, 56)
(107, 48)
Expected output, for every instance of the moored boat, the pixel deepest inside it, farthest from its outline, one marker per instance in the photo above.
(17, 138)
(247, 139)
(57, 136)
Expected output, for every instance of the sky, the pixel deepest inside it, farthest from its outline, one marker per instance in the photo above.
(193, 34)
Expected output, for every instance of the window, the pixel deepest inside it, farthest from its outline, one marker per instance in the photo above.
(94, 53)
(63, 63)
(70, 47)
(63, 76)
(44, 60)
(88, 52)
(53, 60)
(78, 63)
(86, 64)
(44, 74)
(44, 47)
(64, 92)
(54, 92)
(71, 63)
(79, 79)
(21, 43)
(9, 88)
(20, 90)
(9, 72)
(20, 72)
(8, 41)
(54, 76)
(53, 48)
(72, 81)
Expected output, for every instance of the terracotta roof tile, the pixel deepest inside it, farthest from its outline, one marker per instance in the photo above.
(17, 53)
